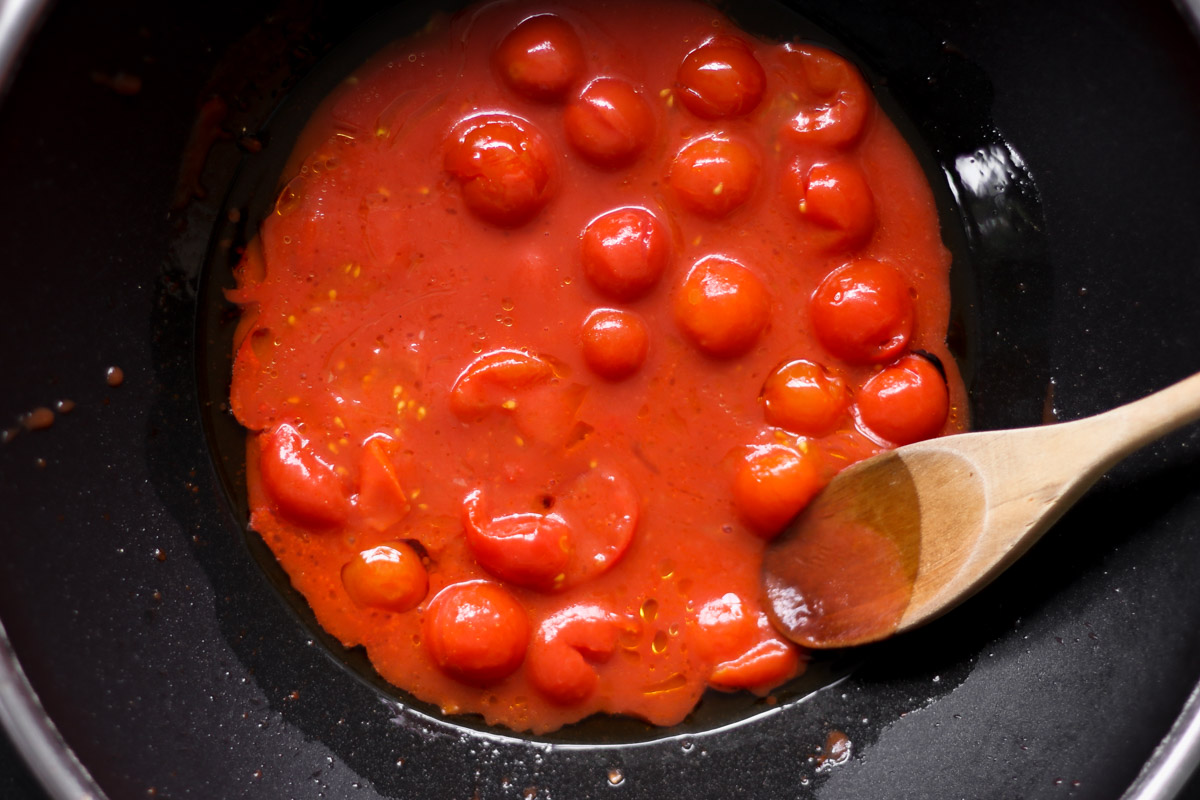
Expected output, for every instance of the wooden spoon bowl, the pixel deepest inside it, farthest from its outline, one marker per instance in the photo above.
(896, 541)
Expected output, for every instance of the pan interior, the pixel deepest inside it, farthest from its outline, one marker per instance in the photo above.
(990, 215)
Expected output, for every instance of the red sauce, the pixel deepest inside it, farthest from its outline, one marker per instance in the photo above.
(563, 312)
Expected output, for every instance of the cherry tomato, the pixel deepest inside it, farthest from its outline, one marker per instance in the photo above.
(541, 57)
(624, 252)
(773, 484)
(833, 98)
(615, 342)
(504, 166)
(610, 122)
(862, 312)
(526, 549)
(390, 577)
(305, 488)
(804, 398)
(906, 402)
(725, 628)
(381, 501)
(712, 176)
(476, 631)
(721, 78)
(495, 380)
(722, 306)
(836, 198)
(565, 650)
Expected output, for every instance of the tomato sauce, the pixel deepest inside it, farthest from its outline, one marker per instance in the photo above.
(565, 310)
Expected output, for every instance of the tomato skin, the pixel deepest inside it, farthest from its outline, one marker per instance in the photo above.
(862, 312)
(476, 631)
(836, 198)
(565, 650)
(767, 664)
(713, 175)
(773, 484)
(504, 166)
(610, 123)
(802, 397)
(721, 78)
(381, 500)
(835, 101)
(624, 252)
(541, 58)
(389, 577)
(529, 550)
(304, 488)
(906, 402)
(494, 379)
(722, 306)
(615, 342)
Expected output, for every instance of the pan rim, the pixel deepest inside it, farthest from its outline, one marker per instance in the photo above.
(63, 776)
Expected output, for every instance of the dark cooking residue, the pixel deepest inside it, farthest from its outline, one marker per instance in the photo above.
(837, 751)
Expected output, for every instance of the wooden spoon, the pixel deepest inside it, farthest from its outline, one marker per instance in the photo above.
(899, 539)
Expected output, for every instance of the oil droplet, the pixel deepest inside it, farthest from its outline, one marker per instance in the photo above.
(507, 322)
(289, 199)
(649, 609)
(674, 629)
(667, 569)
(506, 304)
(659, 645)
(615, 777)
(630, 637)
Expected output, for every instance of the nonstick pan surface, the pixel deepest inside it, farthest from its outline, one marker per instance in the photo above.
(1063, 137)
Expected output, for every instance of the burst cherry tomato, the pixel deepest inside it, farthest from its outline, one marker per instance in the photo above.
(725, 628)
(862, 312)
(614, 342)
(624, 252)
(566, 649)
(526, 549)
(773, 484)
(712, 176)
(721, 78)
(541, 57)
(496, 380)
(906, 402)
(476, 631)
(722, 306)
(836, 198)
(610, 122)
(834, 100)
(390, 577)
(804, 398)
(304, 487)
(504, 166)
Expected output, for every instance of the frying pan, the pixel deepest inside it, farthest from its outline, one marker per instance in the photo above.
(151, 651)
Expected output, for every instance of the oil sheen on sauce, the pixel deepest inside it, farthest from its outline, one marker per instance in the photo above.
(563, 311)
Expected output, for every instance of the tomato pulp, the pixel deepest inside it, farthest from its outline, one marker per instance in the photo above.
(563, 312)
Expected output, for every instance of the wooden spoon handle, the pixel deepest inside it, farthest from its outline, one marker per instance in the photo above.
(1135, 425)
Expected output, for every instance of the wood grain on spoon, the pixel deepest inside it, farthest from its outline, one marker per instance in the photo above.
(900, 539)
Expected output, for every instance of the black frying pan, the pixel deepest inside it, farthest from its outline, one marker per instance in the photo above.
(160, 645)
